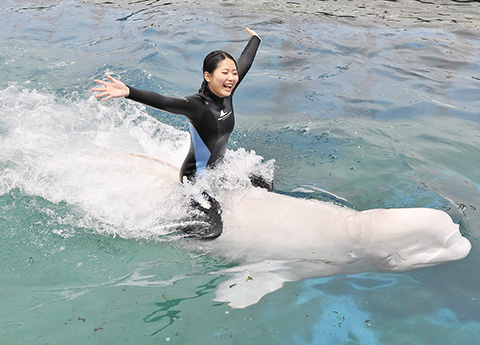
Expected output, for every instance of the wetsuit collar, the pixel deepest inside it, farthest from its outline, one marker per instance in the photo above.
(209, 93)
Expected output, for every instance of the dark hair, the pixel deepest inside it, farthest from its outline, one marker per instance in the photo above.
(211, 62)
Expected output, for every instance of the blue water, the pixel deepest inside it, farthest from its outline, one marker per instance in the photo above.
(375, 103)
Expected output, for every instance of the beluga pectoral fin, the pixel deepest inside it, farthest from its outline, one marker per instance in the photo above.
(249, 283)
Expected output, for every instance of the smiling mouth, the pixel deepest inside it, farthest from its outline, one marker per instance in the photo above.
(228, 87)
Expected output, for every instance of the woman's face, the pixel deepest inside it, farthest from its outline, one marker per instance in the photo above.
(223, 79)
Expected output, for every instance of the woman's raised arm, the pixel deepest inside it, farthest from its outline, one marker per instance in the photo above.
(245, 60)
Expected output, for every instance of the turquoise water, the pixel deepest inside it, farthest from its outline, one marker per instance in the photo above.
(377, 104)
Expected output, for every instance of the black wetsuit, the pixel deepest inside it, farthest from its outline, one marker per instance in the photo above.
(211, 121)
(211, 118)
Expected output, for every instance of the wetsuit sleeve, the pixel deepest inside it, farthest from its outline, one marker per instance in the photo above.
(245, 60)
(181, 106)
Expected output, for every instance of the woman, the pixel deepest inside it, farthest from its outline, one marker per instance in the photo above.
(210, 115)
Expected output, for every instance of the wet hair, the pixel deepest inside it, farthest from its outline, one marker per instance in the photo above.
(211, 62)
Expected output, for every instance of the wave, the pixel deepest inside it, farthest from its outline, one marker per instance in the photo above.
(89, 155)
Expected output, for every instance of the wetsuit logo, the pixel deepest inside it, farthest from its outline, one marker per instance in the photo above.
(223, 115)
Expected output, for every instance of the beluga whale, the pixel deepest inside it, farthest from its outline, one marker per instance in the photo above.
(275, 238)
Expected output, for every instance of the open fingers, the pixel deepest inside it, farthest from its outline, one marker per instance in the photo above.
(252, 32)
(107, 98)
(111, 89)
(98, 81)
(99, 89)
(112, 79)
(100, 95)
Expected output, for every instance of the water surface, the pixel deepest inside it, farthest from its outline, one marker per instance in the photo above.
(376, 103)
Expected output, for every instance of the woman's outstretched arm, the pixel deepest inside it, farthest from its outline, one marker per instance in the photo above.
(116, 88)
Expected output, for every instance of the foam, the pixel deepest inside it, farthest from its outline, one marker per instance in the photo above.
(77, 150)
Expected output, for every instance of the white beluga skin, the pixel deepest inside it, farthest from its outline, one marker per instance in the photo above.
(278, 238)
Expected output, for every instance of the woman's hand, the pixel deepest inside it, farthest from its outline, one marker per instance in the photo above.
(252, 33)
(111, 90)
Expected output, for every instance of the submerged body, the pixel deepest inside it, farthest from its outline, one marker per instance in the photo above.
(278, 238)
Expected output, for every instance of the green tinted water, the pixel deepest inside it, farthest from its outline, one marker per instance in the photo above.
(372, 103)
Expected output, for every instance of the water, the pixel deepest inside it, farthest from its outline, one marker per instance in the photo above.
(376, 103)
